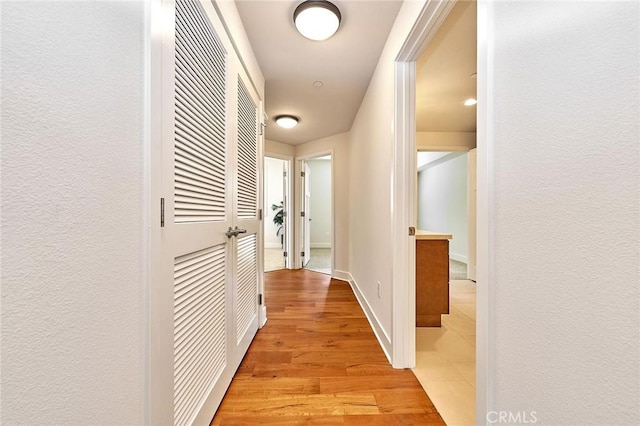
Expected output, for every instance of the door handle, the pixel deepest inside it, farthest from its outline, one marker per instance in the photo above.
(235, 232)
(238, 231)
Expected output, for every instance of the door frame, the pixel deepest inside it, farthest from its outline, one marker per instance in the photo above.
(404, 196)
(299, 202)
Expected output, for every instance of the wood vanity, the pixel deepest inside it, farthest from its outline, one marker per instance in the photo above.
(432, 277)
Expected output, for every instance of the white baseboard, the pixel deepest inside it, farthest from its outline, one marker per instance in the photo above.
(458, 257)
(381, 335)
(341, 275)
(320, 245)
(263, 311)
(273, 245)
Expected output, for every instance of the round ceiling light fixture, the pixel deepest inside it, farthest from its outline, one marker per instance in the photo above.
(287, 121)
(317, 19)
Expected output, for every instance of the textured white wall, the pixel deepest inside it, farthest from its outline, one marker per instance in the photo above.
(320, 186)
(279, 148)
(442, 201)
(73, 309)
(273, 194)
(565, 293)
(370, 172)
(339, 144)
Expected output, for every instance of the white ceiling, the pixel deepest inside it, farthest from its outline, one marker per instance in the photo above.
(443, 74)
(345, 63)
(291, 63)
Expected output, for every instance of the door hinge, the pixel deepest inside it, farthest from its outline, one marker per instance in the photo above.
(412, 231)
(301, 214)
(285, 254)
(262, 126)
(302, 174)
(284, 214)
(260, 214)
(302, 253)
(161, 212)
(284, 174)
(260, 299)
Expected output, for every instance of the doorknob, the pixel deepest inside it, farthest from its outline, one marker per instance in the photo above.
(237, 231)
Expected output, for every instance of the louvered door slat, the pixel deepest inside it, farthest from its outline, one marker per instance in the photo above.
(200, 192)
(200, 141)
(200, 126)
(199, 354)
(247, 283)
(247, 154)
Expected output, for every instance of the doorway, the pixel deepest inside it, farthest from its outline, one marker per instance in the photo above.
(445, 28)
(277, 205)
(316, 214)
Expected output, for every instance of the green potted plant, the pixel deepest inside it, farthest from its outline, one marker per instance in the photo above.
(278, 220)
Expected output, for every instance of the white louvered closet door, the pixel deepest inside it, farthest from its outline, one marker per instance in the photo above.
(204, 311)
(246, 202)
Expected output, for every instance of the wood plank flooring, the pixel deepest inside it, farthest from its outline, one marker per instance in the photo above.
(317, 362)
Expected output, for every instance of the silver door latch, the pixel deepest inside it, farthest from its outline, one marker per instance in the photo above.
(234, 232)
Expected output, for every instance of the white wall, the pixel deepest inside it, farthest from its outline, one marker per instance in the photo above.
(279, 148)
(564, 316)
(340, 161)
(442, 201)
(273, 194)
(320, 187)
(73, 244)
(370, 172)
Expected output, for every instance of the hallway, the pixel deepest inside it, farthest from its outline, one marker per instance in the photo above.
(317, 361)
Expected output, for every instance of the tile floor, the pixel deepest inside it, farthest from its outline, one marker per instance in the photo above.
(273, 259)
(446, 357)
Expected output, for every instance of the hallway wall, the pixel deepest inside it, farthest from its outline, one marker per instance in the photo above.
(73, 243)
(564, 91)
(370, 172)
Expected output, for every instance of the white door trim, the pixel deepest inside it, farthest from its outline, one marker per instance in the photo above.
(404, 181)
(404, 196)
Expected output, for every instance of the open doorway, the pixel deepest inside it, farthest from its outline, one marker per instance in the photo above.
(277, 205)
(316, 214)
(445, 125)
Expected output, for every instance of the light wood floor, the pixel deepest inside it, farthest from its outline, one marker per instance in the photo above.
(317, 362)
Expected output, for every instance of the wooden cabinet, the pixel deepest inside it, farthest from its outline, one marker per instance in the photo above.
(432, 281)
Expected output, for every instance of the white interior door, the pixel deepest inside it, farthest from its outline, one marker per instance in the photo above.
(306, 217)
(247, 223)
(204, 304)
(285, 213)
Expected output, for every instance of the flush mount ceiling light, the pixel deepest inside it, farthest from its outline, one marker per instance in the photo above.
(470, 102)
(287, 121)
(317, 19)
